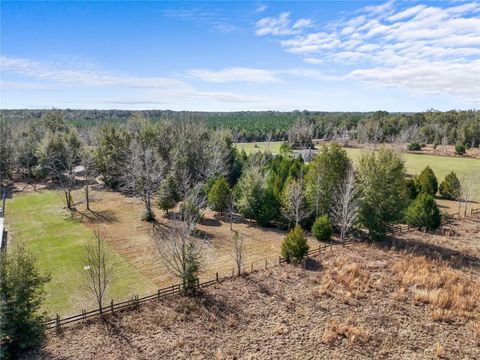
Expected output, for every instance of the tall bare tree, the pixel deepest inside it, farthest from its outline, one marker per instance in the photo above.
(143, 174)
(191, 208)
(87, 163)
(344, 211)
(60, 153)
(181, 253)
(98, 268)
(295, 208)
(468, 185)
(239, 251)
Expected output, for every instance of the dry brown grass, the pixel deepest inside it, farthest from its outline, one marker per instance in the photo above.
(363, 302)
(450, 293)
(336, 331)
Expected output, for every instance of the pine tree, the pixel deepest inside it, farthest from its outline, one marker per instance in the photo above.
(450, 187)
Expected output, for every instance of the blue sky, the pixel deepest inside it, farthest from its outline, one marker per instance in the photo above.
(224, 56)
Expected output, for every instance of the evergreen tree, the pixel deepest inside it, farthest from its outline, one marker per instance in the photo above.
(327, 170)
(219, 194)
(450, 187)
(21, 295)
(167, 194)
(423, 212)
(427, 181)
(294, 245)
(381, 185)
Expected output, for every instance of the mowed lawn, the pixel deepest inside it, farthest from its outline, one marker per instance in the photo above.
(414, 163)
(39, 220)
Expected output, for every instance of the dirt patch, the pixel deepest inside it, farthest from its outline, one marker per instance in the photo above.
(363, 301)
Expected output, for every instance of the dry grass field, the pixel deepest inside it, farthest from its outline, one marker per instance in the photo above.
(133, 240)
(414, 297)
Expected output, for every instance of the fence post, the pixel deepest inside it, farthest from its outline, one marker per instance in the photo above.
(111, 305)
(216, 276)
(158, 294)
(57, 322)
(251, 270)
(84, 314)
(266, 263)
(233, 272)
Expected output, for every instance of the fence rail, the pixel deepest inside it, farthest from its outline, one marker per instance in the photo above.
(176, 289)
(171, 290)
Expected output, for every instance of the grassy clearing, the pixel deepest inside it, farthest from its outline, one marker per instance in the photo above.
(39, 220)
(414, 163)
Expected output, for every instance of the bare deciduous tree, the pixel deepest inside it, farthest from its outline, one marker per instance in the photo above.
(346, 205)
(180, 252)
(143, 174)
(191, 208)
(98, 268)
(87, 163)
(231, 207)
(468, 185)
(239, 254)
(294, 202)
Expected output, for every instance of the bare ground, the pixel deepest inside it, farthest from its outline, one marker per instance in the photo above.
(415, 297)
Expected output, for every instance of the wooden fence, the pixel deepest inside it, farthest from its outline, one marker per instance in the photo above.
(177, 289)
(133, 303)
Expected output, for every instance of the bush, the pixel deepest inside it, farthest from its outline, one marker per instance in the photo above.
(460, 149)
(427, 182)
(414, 147)
(322, 228)
(423, 212)
(450, 187)
(294, 245)
(21, 297)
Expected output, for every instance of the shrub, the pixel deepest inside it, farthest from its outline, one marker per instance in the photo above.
(414, 147)
(450, 187)
(427, 182)
(322, 228)
(460, 149)
(423, 212)
(294, 245)
(21, 296)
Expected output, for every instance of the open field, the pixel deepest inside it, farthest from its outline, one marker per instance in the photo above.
(415, 297)
(414, 163)
(39, 220)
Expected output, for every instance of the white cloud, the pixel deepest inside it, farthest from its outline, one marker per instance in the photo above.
(281, 25)
(383, 41)
(261, 8)
(254, 75)
(57, 75)
(234, 74)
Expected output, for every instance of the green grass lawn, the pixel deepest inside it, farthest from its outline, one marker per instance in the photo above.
(414, 163)
(39, 220)
(441, 165)
(249, 148)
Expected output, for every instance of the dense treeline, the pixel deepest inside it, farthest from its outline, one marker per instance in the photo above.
(433, 127)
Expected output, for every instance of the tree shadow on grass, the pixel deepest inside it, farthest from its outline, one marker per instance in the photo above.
(456, 259)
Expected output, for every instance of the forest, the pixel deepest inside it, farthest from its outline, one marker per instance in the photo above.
(431, 127)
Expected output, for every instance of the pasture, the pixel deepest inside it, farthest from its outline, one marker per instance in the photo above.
(40, 221)
(414, 163)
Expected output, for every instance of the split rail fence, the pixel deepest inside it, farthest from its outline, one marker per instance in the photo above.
(135, 302)
(111, 308)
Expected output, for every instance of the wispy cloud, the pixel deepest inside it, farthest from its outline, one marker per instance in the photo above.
(255, 75)
(281, 25)
(214, 19)
(56, 75)
(428, 49)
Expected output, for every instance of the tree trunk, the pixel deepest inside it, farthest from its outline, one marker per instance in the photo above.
(87, 197)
